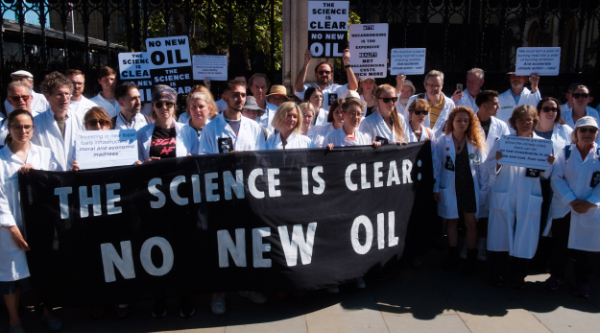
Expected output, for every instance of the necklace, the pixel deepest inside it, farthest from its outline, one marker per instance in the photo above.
(459, 145)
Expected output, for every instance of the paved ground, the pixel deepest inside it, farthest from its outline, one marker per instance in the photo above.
(414, 300)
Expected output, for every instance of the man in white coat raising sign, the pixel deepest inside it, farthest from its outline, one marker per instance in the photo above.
(518, 94)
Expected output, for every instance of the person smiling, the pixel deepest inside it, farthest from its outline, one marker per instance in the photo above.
(287, 123)
(335, 120)
(348, 134)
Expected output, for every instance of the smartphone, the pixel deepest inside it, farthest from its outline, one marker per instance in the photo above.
(459, 86)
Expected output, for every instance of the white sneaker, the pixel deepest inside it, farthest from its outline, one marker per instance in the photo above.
(360, 283)
(217, 304)
(463, 252)
(254, 296)
(333, 290)
(481, 245)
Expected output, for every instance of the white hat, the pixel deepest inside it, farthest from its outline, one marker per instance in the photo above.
(22, 73)
(586, 121)
(352, 94)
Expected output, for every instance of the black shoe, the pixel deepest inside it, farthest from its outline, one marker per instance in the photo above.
(452, 260)
(186, 307)
(496, 281)
(159, 308)
(471, 263)
(518, 283)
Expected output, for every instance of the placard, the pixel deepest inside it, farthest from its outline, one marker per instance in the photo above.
(327, 28)
(212, 66)
(134, 68)
(170, 62)
(368, 50)
(525, 152)
(408, 61)
(102, 149)
(543, 61)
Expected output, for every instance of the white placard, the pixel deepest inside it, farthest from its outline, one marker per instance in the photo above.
(525, 152)
(134, 66)
(102, 149)
(327, 28)
(539, 60)
(170, 62)
(212, 66)
(407, 61)
(368, 50)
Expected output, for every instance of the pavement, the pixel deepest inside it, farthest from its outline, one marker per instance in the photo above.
(413, 300)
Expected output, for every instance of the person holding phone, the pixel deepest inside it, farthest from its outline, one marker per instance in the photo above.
(467, 97)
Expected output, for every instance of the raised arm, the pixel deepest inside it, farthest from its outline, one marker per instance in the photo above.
(299, 85)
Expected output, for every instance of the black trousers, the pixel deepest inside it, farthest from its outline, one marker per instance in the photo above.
(560, 253)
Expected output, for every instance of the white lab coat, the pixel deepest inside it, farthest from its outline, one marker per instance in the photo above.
(375, 126)
(571, 179)
(514, 197)
(567, 116)
(137, 122)
(426, 134)
(438, 128)
(47, 134)
(321, 118)
(221, 105)
(469, 101)
(508, 104)
(186, 141)
(82, 106)
(561, 136)
(340, 90)
(111, 108)
(294, 141)
(267, 118)
(38, 104)
(318, 133)
(339, 139)
(13, 262)
(445, 179)
(250, 135)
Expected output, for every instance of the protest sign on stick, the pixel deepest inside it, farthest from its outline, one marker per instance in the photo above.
(213, 67)
(170, 62)
(407, 61)
(525, 152)
(368, 50)
(327, 28)
(543, 61)
(102, 149)
(134, 68)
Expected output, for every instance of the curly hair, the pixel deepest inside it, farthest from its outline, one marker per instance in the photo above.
(521, 111)
(394, 114)
(55, 80)
(473, 132)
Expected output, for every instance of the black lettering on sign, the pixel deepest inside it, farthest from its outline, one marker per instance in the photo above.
(532, 173)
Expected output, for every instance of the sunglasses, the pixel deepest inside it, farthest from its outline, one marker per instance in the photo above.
(549, 109)
(95, 122)
(324, 72)
(585, 130)
(159, 105)
(25, 128)
(18, 98)
(420, 112)
(578, 95)
(387, 100)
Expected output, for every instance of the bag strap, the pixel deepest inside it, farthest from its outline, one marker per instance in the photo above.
(428, 132)
(567, 152)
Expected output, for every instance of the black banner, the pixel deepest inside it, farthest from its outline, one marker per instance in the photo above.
(266, 221)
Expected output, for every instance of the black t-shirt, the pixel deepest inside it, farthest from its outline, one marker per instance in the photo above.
(163, 142)
(369, 110)
(486, 126)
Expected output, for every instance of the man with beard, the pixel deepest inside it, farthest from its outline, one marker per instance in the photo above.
(324, 75)
(467, 97)
(405, 89)
(79, 104)
(129, 117)
(38, 101)
(518, 94)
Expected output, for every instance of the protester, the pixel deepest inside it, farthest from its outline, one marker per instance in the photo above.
(38, 101)
(575, 211)
(348, 134)
(335, 120)
(18, 156)
(515, 206)
(20, 98)
(221, 105)
(385, 124)
(439, 105)
(107, 78)
(200, 107)
(460, 180)
(518, 95)
(57, 127)
(308, 114)
(259, 86)
(79, 104)
(417, 112)
(405, 89)
(569, 96)
(287, 122)
(324, 75)
(467, 97)
(314, 95)
(367, 94)
(184, 117)
(581, 100)
(278, 95)
(252, 111)
(130, 105)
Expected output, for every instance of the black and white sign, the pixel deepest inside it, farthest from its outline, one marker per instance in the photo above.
(171, 62)
(525, 152)
(134, 68)
(407, 61)
(327, 28)
(213, 67)
(102, 149)
(285, 220)
(543, 61)
(368, 50)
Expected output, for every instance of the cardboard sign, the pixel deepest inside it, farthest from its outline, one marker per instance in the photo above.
(102, 149)
(170, 62)
(368, 50)
(134, 68)
(327, 28)
(525, 152)
(408, 61)
(213, 67)
(543, 61)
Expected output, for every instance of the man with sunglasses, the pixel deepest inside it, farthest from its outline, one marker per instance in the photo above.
(518, 95)
(38, 101)
(324, 76)
(581, 100)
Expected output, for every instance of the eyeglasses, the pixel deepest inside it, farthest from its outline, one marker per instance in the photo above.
(387, 100)
(324, 72)
(159, 105)
(25, 128)
(578, 95)
(95, 122)
(17, 98)
(592, 130)
(420, 112)
(59, 94)
(549, 109)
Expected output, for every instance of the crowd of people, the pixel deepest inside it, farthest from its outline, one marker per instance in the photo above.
(506, 210)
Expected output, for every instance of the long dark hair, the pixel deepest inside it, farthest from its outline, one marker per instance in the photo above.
(558, 110)
(11, 119)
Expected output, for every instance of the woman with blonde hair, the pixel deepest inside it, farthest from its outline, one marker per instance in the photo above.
(287, 123)
(460, 178)
(515, 205)
(417, 112)
(366, 91)
(385, 124)
(185, 116)
(201, 110)
(308, 114)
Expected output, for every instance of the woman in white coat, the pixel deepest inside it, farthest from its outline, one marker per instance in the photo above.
(165, 137)
(335, 120)
(366, 91)
(308, 114)
(201, 110)
(575, 206)
(515, 206)
(460, 178)
(385, 124)
(417, 112)
(581, 100)
(18, 156)
(185, 117)
(348, 134)
(314, 95)
(287, 122)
